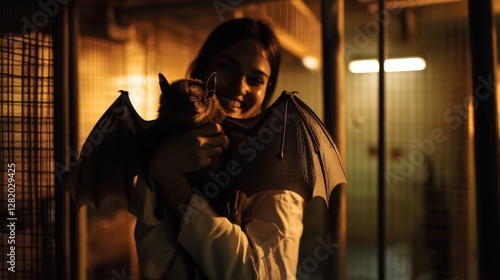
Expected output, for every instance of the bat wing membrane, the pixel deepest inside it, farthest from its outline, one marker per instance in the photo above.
(286, 147)
(110, 157)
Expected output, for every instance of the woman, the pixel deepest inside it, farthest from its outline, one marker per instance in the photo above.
(263, 242)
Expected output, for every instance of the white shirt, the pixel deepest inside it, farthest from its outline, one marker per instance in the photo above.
(265, 245)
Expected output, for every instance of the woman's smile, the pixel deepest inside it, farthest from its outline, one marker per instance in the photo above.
(230, 103)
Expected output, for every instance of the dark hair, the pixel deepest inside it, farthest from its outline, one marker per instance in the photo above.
(231, 32)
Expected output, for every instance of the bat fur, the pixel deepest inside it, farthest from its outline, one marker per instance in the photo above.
(187, 103)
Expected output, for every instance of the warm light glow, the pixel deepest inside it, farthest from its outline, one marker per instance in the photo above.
(143, 93)
(390, 65)
(310, 62)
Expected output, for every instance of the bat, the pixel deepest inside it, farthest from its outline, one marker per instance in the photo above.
(184, 104)
(120, 144)
(285, 147)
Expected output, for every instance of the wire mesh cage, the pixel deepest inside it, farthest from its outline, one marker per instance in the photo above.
(429, 200)
(27, 167)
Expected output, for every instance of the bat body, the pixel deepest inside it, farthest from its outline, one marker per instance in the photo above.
(286, 147)
(184, 104)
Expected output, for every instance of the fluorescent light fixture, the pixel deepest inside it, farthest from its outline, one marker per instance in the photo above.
(390, 65)
(310, 62)
(364, 66)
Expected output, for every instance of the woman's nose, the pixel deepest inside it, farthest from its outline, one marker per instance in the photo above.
(242, 85)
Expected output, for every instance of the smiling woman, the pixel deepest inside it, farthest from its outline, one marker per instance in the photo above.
(259, 236)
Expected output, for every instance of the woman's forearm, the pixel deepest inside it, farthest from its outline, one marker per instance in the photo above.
(177, 194)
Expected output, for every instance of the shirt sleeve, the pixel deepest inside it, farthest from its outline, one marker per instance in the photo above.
(155, 242)
(265, 247)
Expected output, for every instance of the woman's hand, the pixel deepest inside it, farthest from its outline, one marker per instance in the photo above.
(183, 153)
(190, 151)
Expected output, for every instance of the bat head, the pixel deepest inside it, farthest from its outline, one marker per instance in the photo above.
(188, 102)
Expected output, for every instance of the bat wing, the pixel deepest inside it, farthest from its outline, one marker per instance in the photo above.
(286, 147)
(110, 157)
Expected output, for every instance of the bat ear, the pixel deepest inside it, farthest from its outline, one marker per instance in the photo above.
(211, 84)
(164, 85)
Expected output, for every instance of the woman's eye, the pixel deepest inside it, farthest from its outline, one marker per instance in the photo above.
(256, 81)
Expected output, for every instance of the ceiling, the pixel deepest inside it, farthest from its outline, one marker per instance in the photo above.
(110, 18)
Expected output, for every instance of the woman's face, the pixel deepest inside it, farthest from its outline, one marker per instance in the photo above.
(243, 72)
